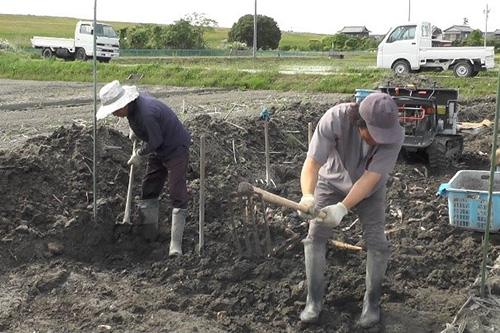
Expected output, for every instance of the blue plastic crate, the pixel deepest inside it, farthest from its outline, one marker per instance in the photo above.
(362, 93)
(467, 193)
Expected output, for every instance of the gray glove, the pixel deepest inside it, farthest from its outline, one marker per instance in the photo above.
(132, 136)
(135, 159)
(308, 201)
(334, 214)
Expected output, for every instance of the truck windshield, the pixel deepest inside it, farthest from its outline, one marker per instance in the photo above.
(402, 33)
(105, 31)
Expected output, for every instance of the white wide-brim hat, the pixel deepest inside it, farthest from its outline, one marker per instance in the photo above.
(113, 97)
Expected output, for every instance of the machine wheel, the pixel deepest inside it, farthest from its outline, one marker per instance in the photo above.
(463, 69)
(47, 53)
(444, 152)
(437, 156)
(81, 55)
(401, 67)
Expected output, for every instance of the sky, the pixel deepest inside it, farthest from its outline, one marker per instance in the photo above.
(314, 16)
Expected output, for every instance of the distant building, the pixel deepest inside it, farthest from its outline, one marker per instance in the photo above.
(377, 37)
(496, 34)
(355, 31)
(457, 33)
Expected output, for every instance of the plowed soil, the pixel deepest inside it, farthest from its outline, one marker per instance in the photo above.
(65, 265)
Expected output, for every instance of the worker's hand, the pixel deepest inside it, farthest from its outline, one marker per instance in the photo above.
(132, 136)
(135, 159)
(334, 214)
(497, 156)
(308, 201)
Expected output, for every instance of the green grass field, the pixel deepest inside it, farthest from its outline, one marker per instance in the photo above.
(313, 73)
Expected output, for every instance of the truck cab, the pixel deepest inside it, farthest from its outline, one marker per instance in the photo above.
(400, 48)
(106, 39)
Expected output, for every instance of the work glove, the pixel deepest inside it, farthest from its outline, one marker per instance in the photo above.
(135, 159)
(132, 136)
(334, 214)
(308, 201)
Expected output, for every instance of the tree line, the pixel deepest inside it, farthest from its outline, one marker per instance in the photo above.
(189, 33)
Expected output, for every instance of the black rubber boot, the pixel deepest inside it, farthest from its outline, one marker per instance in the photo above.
(314, 253)
(148, 212)
(376, 264)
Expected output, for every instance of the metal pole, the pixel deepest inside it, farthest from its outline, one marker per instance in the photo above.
(409, 9)
(486, 241)
(255, 31)
(201, 229)
(94, 164)
(266, 144)
(486, 12)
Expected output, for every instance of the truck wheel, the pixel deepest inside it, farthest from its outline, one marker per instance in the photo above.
(47, 53)
(463, 69)
(81, 55)
(401, 67)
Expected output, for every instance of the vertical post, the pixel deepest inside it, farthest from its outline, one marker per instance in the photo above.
(94, 162)
(255, 31)
(486, 12)
(201, 229)
(309, 133)
(486, 239)
(128, 203)
(409, 9)
(266, 142)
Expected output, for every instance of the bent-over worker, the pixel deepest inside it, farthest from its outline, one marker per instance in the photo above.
(166, 148)
(352, 151)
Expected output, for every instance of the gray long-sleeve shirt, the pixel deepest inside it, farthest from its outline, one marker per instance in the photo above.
(158, 126)
(338, 147)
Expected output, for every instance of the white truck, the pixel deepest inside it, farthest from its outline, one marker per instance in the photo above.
(82, 45)
(409, 48)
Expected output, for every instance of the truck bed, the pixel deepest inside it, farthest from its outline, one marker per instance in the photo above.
(52, 42)
(451, 53)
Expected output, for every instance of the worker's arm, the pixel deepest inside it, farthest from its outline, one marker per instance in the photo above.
(361, 189)
(308, 179)
(309, 176)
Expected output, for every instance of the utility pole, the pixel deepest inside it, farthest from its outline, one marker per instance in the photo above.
(409, 9)
(255, 31)
(486, 12)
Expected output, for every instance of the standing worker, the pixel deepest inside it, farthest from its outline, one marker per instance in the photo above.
(166, 148)
(350, 156)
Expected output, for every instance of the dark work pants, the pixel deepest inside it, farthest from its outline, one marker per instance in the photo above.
(156, 174)
(371, 212)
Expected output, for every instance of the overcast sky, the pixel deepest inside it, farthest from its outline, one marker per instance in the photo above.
(316, 16)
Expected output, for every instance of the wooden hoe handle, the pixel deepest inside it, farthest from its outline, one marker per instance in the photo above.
(276, 199)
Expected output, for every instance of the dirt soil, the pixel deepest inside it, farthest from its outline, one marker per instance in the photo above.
(67, 267)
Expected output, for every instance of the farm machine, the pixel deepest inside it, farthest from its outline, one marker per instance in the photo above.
(429, 119)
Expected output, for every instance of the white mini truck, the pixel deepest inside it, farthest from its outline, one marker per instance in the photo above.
(81, 46)
(408, 48)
